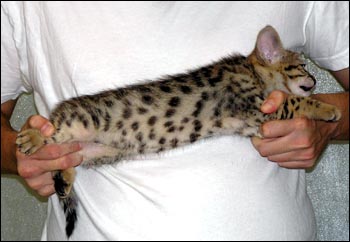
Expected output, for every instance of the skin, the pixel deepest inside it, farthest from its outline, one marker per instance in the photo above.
(35, 169)
(295, 143)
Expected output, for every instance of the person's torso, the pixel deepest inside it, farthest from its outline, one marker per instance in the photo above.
(218, 189)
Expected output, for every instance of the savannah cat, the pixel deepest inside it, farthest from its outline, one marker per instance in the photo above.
(222, 98)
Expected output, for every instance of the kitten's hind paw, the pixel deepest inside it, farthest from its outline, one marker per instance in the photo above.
(29, 141)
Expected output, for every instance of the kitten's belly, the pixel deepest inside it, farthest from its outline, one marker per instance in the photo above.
(215, 189)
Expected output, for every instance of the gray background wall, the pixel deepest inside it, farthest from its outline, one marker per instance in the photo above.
(23, 213)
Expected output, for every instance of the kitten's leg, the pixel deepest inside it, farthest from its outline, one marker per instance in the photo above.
(296, 106)
(99, 154)
(30, 140)
(93, 154)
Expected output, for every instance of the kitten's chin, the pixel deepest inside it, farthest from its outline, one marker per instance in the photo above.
(301, 90)
(302, 93)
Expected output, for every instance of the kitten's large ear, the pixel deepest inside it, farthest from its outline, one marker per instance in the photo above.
(269, 46)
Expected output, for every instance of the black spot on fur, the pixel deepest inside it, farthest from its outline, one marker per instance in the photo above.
(135, 126)
(229, 89)
(213, 81)
(185, 120)
(95, 120)
(164, 88)
(152, 135)
(174, 102)
(197, 125)
(168, 123)
(199, 83)
(142, 110)
(139, 136)
(107, 119)
(205, 96)
(120, 124)
(68, 123)
(180, 79)
(174, 142)
(199, 106)
(171, 129)
(85, 123)
(152, 120)
(285, 110)
(162, 141)
(108, 103)
(147, 99)
(218, 123)
(144, 89)
(170, 112)
(194, 137)
(186, 89)
(127, 113)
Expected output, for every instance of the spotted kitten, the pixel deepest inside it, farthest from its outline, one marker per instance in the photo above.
(223, 98)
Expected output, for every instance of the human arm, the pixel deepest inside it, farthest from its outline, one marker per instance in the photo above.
(34, 169)
(8, 137)
(297, 143)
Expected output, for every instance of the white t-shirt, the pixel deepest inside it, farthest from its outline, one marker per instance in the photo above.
(218, 189)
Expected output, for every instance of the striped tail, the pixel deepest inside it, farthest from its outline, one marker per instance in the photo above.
(70, 204)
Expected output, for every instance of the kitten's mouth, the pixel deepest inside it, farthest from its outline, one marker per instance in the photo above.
(308, 84)
(306, 89)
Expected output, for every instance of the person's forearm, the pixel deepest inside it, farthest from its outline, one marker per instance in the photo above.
(338, 130)
(8, 147)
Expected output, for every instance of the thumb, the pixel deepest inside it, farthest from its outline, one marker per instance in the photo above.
(273, 101)
(41, 123)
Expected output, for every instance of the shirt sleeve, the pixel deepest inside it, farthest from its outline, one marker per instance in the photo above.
(12, 78)
(327, 34)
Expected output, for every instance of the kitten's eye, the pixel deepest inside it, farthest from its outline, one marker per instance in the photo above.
(303, 65)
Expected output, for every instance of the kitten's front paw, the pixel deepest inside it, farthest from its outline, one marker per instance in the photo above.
(64, 182)
(29, 141)
(329, 113)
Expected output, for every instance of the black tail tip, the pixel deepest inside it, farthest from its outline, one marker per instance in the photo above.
(70, 220)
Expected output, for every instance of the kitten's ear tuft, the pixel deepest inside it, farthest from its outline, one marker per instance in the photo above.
(269, 47)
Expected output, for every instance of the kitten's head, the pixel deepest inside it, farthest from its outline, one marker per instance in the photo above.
(279, 68)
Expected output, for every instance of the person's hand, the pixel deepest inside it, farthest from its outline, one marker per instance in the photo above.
(37, 168)
(293, 143)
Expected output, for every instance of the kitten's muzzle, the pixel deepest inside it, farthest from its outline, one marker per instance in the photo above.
(308, 84)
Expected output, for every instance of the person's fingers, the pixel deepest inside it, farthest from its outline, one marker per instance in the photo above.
(46, 190)
(270, 147)
(297, 164)
(54, 151)
(62, 163)
(283, 137)
(294, 155)
(29, 167)
(277, 128)
(40, 181)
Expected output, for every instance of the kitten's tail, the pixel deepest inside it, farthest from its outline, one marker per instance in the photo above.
(70, 204)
